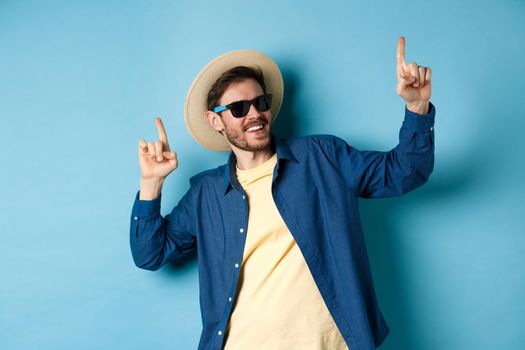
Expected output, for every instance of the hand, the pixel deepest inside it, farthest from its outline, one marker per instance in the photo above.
(155, 158)
(413, 81)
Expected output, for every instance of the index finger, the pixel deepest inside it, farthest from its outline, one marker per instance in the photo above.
(162, 133)
(401, 51)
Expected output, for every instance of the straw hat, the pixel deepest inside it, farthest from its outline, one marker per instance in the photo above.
(195, 106)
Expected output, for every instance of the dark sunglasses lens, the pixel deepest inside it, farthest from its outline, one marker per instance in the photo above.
(240, 108)
(263, 103)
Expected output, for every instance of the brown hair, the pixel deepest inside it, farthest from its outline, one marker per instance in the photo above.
(233, 75)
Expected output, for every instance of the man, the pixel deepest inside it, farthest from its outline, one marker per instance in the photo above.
(281, 254)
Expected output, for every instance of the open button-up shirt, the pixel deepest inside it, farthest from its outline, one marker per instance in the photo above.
(316, 185)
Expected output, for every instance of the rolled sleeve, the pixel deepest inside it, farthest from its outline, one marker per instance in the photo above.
(420, 122)
(144, 209)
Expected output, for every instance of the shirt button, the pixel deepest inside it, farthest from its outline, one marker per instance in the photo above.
(136, 218)
(243, 196)
(431, 128)
(219, 332)
(236, 265)
(230, 299)
(241, 230)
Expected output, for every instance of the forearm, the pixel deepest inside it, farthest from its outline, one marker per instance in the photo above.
(150, 188)
(419, 107)
(146, 232)
(405, 167)
(416, 146)
(155, 239)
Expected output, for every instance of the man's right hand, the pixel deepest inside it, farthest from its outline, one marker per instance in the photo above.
(156, 162)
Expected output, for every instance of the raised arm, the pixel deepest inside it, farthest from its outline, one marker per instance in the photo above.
(156, 240)
(376, 174)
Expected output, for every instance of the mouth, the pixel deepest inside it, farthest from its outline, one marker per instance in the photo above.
(254, 129)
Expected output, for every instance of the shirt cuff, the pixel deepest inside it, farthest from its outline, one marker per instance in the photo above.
(145, 208)
(420, 122)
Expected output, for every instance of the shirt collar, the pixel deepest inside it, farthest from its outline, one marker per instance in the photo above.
(230, 177)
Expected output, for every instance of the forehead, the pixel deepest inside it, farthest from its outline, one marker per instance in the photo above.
(242, 90)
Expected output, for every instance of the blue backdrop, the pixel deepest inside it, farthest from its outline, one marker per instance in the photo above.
(81, 82)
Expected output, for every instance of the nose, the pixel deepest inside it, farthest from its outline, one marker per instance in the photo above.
(253, 116)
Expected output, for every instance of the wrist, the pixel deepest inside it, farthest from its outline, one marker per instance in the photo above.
(419, 107)
(152, 180)
(150, 188)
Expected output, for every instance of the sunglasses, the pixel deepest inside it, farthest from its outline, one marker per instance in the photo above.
(239, 109)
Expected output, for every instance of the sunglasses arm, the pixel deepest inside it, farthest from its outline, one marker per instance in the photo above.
(220, 109)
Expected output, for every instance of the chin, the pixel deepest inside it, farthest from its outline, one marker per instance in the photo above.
(260, 145)
(252, 146)
(248, 142)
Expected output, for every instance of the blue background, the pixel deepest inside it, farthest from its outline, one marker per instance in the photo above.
(81, 82)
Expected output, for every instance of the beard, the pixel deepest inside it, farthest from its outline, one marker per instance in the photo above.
(239, 139)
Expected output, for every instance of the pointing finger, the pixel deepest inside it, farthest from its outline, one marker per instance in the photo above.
(162, 133)
(401, 52)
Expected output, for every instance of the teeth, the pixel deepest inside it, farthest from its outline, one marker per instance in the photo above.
(253, 128)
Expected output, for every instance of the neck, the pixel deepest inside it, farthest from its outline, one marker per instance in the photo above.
(250, 159)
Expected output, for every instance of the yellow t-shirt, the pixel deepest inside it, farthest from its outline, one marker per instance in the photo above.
(278, 306)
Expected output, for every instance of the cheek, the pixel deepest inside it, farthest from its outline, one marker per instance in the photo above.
(233, 124)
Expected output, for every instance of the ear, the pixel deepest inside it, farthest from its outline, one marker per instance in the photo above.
(215, 120)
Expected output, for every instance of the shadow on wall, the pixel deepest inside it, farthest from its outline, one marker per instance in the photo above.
(287, 120)
(472, 172)
(389, 273)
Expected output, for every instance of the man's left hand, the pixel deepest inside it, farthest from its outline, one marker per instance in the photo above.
(413, 82)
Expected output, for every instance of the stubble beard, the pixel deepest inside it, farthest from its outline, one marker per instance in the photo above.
(239, 140)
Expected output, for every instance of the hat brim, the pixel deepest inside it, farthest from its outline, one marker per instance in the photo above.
(195, 106)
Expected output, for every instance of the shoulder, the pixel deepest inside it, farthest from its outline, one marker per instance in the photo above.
(208, 174)
(210, 177)
(314, 143)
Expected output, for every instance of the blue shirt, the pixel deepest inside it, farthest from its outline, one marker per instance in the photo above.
(316, 184)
